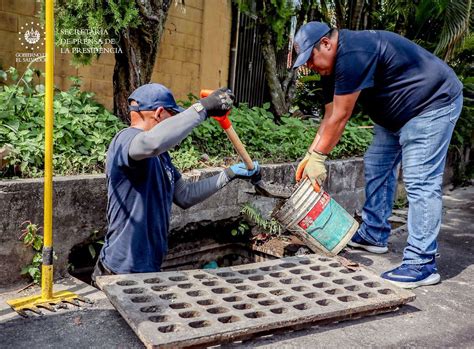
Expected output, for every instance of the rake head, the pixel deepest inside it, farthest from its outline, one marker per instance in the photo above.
(35, 303)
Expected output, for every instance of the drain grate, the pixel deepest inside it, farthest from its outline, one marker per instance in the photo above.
(198, 307)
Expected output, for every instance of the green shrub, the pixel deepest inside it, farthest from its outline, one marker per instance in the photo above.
(83, 128)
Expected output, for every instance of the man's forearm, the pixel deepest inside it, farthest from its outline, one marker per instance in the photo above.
(187, 194)
(165, 135)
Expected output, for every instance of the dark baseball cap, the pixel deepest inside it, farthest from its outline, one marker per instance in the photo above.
(305, 39)
(151, 97)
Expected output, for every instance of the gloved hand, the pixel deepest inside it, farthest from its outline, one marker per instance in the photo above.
(301, 166)
(240, 171)
(219, 102)
(315, 169)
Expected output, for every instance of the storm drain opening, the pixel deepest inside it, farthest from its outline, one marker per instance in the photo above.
(204, 307)
(196, 247)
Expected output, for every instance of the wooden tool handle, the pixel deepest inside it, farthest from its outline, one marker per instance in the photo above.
(239, 147)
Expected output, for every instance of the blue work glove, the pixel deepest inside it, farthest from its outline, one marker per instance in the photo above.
(240, 171)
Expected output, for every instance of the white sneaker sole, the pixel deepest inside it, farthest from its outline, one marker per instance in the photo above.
(430, 280)
(371, 249)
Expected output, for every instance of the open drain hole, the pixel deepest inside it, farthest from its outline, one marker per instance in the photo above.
(346, 299)
(386, 291)
(300, 288)
(200, 276)
(346, 271)
(244, 287)
(159, 288)
(352, 288)
(270, 267)
(228, 319)
(159, 318)
(185, 286)
(327, 274)
(372, 284)
(256, 278)
(126, 283)
(256, 295)
(289, 281)
(179, 305)
(324, 259)
(366, 295)
(243, 306)
(178, 278)
(289, 299)
(221, 290)
(302, 306)
(324, 302)
(199, 324)
(304, 261)
(152, 281)
(318, 268)
(210, 283)
(169, 328)
(217, 310)
(247, 271)
(189, 314)
(311, 295)
(151, 309)
(168, 296)
(278, 275)
(235, 281)
(232, 299)
(136, 290)
(266, 284)
(206, 302)
(322, 284)
(278, 292)
(279, 310)
(196, 293)
(308, 277)
(226, 274)
(297, 271)
(335, 265)
(288, 265)
(341, 281)
(359, 278)
(268, 302)
(255, 314)
(142, 299)
(334, 291)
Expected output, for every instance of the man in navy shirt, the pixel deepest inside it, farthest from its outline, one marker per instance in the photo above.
(143, 183)
(415, 100)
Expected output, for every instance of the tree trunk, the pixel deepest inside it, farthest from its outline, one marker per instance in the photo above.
(277, 95)
(137, 51)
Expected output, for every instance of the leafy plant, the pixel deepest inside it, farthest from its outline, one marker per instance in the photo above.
(270, 226)
(31, 238)
(82, 132)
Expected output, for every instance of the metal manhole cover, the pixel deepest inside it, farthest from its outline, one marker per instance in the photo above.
(203, 307)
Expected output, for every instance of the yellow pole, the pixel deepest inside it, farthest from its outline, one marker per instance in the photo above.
(47, 267)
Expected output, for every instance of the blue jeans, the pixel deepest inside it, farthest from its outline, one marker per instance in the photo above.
(421, 145)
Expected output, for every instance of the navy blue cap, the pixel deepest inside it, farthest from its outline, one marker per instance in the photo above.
(151, 97)
(305, 39)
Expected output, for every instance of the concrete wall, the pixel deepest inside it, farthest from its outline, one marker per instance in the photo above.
(193, 54)
(80, 207)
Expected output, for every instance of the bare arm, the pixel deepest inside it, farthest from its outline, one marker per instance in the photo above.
(327, 112)
(334, 122)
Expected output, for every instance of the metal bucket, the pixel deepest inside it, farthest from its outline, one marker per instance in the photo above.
(317, 219)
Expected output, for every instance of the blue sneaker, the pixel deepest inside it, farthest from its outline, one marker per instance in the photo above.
(413, 275)
(359, 242)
